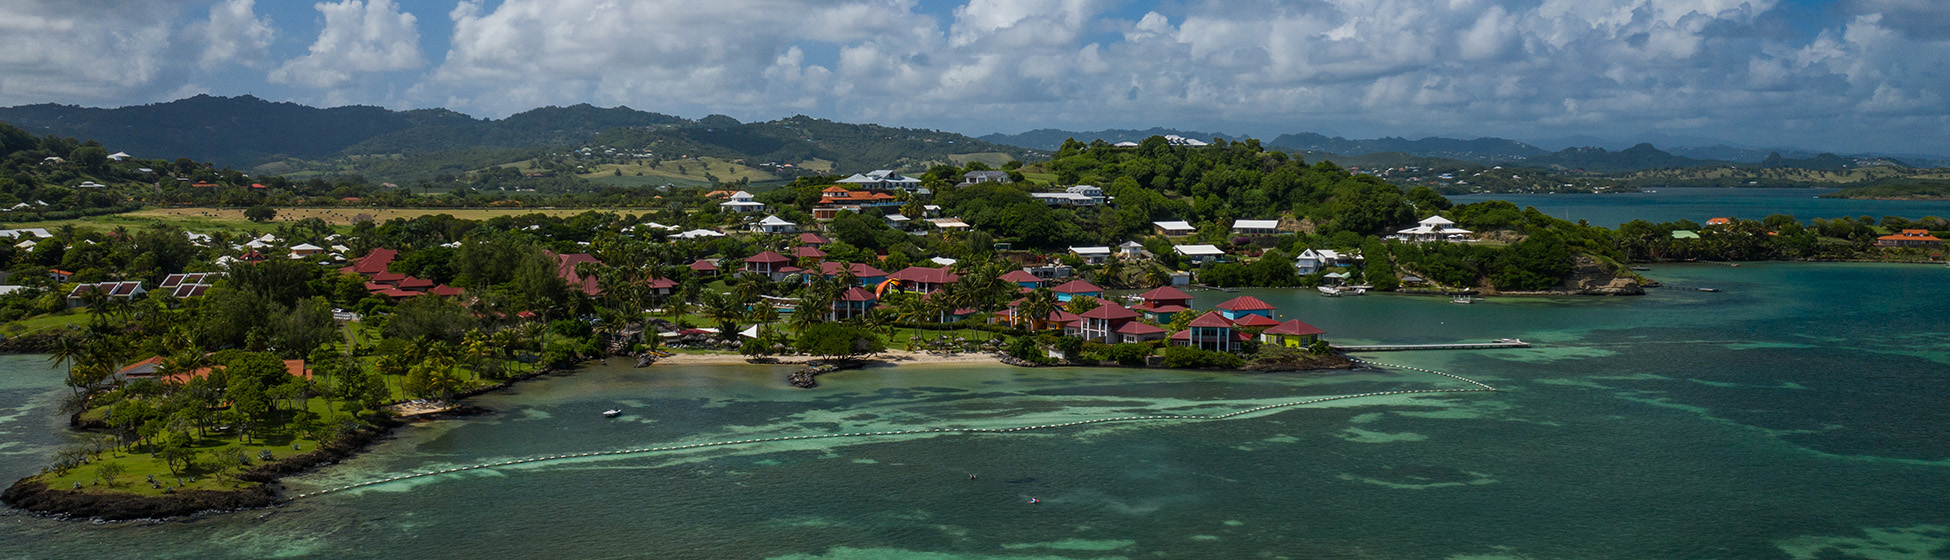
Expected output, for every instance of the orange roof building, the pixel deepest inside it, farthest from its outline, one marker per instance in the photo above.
(1909, 238)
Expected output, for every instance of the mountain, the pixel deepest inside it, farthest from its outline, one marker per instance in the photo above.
(1479, 149)
(251, 133)
(245, 131)
(1600, 160)
(233, 131)
(1051, 138)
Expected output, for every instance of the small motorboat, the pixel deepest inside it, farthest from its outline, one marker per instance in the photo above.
(1463, 299)
(1641, 268)
(612, 413)
(1035, 500)
(1329, 291)
(1709, 289)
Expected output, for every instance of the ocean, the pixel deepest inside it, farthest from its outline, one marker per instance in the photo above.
(1664, 204)
(1798, 413)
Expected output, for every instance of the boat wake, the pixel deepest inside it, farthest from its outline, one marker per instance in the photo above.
(1479, 387)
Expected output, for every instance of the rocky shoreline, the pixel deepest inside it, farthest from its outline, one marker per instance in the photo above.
(33, 496)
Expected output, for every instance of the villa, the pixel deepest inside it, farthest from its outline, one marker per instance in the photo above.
(1909, 238)
(1431, 229)
(1092, 255)
(1292, 334)
(1023, 279)
(1077, 288)
(1174, 228)
(1210, 331)
(1199, 254)
(772, 224)
(923, 279)
(742, 202)
(1102, 323)
(1255, 227)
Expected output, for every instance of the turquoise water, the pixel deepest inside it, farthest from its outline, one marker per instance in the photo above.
(1701, 204)
(1799, 413)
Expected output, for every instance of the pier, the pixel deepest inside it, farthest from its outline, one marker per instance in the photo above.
(1505, 343)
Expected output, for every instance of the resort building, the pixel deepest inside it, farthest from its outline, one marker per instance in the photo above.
(768, 263)
(1199, 254)
(974, 177)
(1136, 332)
(835, 199)
(1433, 228)
(1163, 304)
(1255, 227)
(1210, 331)
(1315, 260)
(704, 268)
(855, 302)
(1909, 238)
(1292, 334)
(923, 279)
(1101, 324)
(1242, 306)
(374, 262)
(114, 290)
(1092, 255)
(1075, 289)
(1719, 221)
(772, 224)
(883, 179)
(812, 239)
(1066, 199)
(1023, 278)
(866, 275)
(742, 202)
(808, 255)
(1174, 228)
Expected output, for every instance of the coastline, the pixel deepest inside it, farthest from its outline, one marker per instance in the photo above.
(891, 357)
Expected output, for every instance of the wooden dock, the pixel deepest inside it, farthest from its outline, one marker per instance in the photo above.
(1511, 343)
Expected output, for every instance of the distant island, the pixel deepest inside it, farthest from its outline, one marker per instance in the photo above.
(1904, 191)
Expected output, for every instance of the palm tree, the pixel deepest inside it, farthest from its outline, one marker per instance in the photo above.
(725, 311)
(65, 351)
(1038, 306)
(912, 310)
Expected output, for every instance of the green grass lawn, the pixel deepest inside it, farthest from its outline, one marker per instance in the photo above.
(137, 464)
(70, 317)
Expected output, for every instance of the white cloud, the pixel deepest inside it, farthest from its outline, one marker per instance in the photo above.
(359, 37)
(234, 32)
(55, 50)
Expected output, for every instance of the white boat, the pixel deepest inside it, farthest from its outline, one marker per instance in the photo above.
(1462, 299)
(612, 413)
(1329, 291)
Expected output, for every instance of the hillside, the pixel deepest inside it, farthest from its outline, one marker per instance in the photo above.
(1478, 150)
(1925, 190)
(399, 146)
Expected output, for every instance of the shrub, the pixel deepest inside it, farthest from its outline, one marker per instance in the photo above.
(1186, 357)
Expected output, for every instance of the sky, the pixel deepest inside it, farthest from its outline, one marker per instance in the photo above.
(1838, 75)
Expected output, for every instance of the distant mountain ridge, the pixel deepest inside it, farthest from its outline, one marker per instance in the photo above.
(1479, 149)
(1051, 138)
(245, 131)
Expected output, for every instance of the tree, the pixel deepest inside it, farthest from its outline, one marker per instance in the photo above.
(833, 340)
(260, 213)
(110, 473)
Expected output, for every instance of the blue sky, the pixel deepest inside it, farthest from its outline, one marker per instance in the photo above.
(1841, 75)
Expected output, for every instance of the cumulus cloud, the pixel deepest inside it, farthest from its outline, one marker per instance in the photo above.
(358, 37)
(1871, 75)
(234, 32)
(55, 50)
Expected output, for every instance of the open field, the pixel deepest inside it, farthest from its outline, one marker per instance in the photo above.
(232, 219)
(693, 169)
(994, 159)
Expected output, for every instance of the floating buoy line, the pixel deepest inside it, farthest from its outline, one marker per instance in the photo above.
(1480, 387)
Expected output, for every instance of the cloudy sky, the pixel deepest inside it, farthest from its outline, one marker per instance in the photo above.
(1844, 75)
